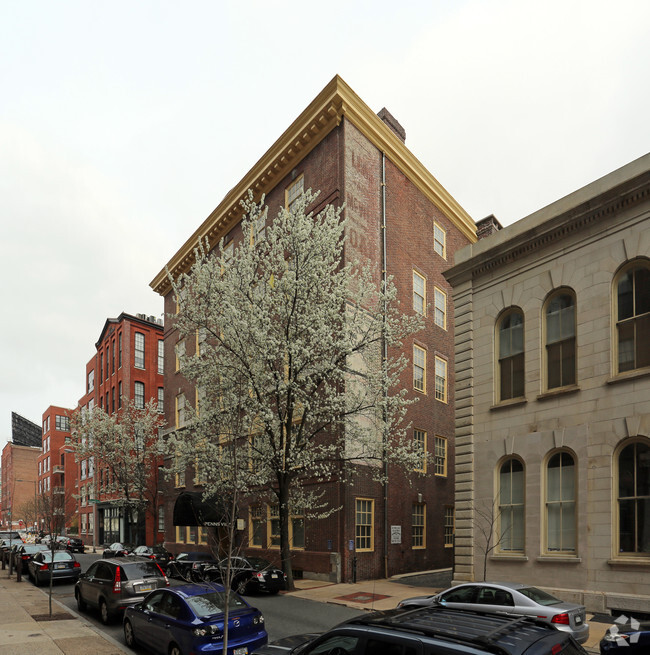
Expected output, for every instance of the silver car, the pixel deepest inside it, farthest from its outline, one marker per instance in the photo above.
(114, 584)
(511, 598)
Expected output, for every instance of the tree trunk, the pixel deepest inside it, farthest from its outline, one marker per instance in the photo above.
(285, 517)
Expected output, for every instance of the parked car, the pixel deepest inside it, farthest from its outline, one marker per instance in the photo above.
(72, 544)
(117, 549)
(432, 631)
(25, 552)
(513, 599)
(189, 566)
(189, 619)
(60, 564)
(626, 637)
(158, 553)
(249, 575)
(113, 584)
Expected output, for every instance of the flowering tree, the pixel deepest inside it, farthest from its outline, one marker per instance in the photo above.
(123, 450)
(291, 362)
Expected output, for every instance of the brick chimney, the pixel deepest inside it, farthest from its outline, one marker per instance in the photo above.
(487, 226)
(393, 123)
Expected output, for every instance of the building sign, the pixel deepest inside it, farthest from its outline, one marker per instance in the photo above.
(395, 534)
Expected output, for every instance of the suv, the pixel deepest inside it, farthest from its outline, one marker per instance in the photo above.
(432, 631)
(113, 584)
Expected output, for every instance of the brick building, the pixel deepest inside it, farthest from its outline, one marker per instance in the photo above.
(553, 397)
(19, 466)
(128, 364)
(354, 156)
(57, 470)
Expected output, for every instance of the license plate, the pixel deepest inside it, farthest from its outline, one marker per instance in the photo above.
(240, 651)
(145, 587)
(59, 566)
(274, 575)
(578, 619)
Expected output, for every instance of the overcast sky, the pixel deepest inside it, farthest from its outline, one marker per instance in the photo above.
(123, 124)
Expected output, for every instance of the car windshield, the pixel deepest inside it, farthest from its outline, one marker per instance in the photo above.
(214, 603)
(259, 563)
(59, 556)
(144, 569)
(539, 596)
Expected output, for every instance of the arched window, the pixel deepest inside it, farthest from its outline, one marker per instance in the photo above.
(560, 336)
(511, 355)
(633, 316)
(634, 499)
(511, 506)
(561, 504)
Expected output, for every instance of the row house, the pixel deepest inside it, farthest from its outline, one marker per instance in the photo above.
(128, 364)
(403, 220)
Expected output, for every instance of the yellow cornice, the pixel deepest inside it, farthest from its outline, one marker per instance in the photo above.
(322, 115)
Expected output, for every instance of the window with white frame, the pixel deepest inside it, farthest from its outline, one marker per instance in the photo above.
(632, 288)
(138, 394)
(441, 379)
(510, 330)
(420, 439)
(419, 368)
(561, 503)
(449, 527)
(440, 308)
(511, 506)
(419, 293)
(633, 499)
(161, 400)
(560, 337)
(139, 350)
(293, 192)
(161, 357)
(439, 240)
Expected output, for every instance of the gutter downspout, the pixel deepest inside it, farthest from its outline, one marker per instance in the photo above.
(384, 353)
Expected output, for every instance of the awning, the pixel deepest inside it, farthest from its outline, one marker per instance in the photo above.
(191, 509)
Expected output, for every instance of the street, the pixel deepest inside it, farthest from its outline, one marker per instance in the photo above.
(284, 614)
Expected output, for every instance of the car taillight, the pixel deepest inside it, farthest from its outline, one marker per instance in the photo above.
(117, 583)
(259, 576)
(556, 649)
(24, 557)
(44, 567)
(151, 556)
(76, 565)
(562, 619)
(205, 630)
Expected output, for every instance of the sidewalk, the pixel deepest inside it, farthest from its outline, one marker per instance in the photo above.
(26, 628)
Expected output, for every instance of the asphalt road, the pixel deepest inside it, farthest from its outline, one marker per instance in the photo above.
(284, 614)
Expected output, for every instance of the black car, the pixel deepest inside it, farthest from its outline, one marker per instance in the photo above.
(190, 566)
(25, 552)
(432, 631)
(117, 549)
(158, 553)
(72, 544)
(250, 575)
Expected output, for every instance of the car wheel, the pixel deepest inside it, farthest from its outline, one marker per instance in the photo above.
(174, 649)
(37, 581)
(129, 638)
(241, 586)
(104, 614)
(81, 603)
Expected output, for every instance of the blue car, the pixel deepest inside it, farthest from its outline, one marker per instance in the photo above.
(627, 637)
(189, 619)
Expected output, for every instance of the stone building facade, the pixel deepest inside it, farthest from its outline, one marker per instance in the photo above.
(552, 319)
